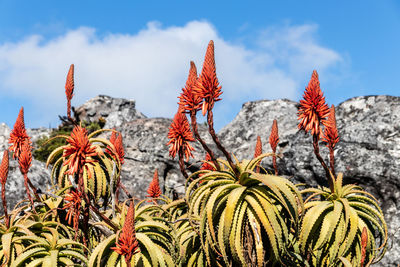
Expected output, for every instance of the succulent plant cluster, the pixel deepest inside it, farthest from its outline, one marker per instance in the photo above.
(233, 213)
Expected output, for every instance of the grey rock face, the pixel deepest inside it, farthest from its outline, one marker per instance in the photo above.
(115, 111)
(367, 153)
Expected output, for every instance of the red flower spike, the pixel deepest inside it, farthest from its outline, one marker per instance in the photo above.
(18, 135)
(73, 206)
(206, 165)
(116, 140)
(274, 136)
(127, 245)
(79, 151)
(331, 136)
(364, 242)
(154, 190)
(4, 168)
(258, 149)
(69, 88)
(207, 86)
(25, 158)
(313, 110)
(180, 136)
(188, 99)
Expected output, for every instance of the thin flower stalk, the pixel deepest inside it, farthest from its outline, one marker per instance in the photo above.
(127, 244)
(69, 90)
(331, 137)
(3, 179)
(191, 102)
(273, 142)
(258, 152)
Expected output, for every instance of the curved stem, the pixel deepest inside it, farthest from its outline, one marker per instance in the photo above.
(228, 157)
(332, 160)
(204, 145)
(327, 171)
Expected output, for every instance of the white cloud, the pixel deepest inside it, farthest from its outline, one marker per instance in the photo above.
(151, 66)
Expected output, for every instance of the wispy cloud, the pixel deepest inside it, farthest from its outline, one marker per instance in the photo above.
(151, 66)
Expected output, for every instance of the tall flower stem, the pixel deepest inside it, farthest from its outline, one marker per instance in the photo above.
(332, 160)
(34, 190)
(210, 121)
(327, 172)
(198, 137)
(182, 163)
(274, 164)
(3, 199)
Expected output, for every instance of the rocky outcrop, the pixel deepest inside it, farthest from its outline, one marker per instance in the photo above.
(115, 111)
(368, 152)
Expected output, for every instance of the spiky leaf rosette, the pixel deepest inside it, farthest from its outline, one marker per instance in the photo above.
(87, 153)
(207, 86)
(224, 203)
(152, 234)
(188, 99)
(333, 224)
(18, 135)
(313, 110)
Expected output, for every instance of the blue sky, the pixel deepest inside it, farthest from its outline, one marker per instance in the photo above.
(141, 50)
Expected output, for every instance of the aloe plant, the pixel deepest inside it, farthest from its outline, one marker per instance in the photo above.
(222, 205)
(333, 223)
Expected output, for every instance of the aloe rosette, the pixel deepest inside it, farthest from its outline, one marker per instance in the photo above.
(223, 205)
(333, 223)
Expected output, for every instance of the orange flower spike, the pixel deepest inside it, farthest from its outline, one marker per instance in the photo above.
(18, 135)
(180, 136)
(258, 149)
(188, 99)
(119, 147)
(127, 245)
(207, 86)
(73, 206)
(313, 110)
(206, 165)
(364, 242)
(25, 158)
(69, 88)
(154, 190)
(331, 136)
(4, 168)
(274, 136)
(78, 151)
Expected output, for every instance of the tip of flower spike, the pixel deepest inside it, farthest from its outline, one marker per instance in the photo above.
(154, 190)
(18, 135)
(25, 158)
(274, 136)
(331, 136)
(188, 99)
(4, 168)
(69, 84)
(258, 149)
(313, 110)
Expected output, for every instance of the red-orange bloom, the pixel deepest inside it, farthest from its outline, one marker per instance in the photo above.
(18, 135)
(313, 110)
(188, 99)
(364, 242)
(154, 190)
(73, 206)
(331, 136)
(274, 136)
(79, 151)
(206, 164)
(127, 244)
(69, 88)
(4, 168)
(207, 86)
(180, 136)
(25, 158)
(258, 149)
(116, 140)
